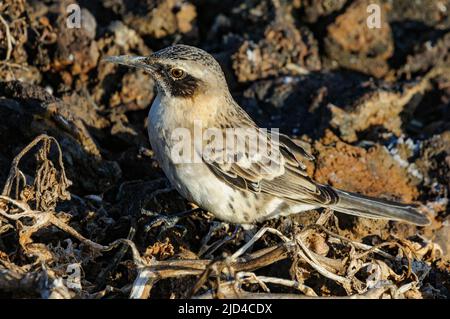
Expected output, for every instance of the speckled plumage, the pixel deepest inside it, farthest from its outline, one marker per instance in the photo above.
(255, 188)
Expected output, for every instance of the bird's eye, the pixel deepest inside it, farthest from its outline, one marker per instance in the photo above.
(177, 73)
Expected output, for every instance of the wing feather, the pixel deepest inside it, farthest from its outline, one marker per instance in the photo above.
(278, 169)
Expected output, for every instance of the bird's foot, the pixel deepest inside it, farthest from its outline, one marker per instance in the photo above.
(167, 221)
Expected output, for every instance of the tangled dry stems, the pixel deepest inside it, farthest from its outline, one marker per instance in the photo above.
(26, 209)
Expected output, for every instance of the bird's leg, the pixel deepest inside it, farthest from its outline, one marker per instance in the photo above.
(214, 228)
(248, 233)
(217, 244)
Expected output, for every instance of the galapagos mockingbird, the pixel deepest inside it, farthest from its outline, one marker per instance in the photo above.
(241, 185)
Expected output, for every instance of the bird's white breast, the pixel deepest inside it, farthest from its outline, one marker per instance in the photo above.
(193, 180)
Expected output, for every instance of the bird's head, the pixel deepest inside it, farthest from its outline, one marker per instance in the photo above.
(180, 71)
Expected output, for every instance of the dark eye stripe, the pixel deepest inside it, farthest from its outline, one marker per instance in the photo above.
(185, 87)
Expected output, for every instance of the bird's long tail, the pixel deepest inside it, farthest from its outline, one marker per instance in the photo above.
(359, 205)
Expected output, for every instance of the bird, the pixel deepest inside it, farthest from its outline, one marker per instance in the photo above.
(243, 186)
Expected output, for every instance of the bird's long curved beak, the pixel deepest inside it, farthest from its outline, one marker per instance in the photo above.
(129, 60)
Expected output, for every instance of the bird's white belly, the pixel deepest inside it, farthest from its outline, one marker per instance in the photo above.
(198, 184)
(194, 181)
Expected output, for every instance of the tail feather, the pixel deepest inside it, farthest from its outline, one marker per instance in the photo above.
(360, 205)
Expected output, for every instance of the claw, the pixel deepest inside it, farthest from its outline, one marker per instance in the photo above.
(167, 222)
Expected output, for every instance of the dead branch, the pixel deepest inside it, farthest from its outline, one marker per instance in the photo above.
(8, 38)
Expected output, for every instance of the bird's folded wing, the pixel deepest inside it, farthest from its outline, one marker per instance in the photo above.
(277, 169)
